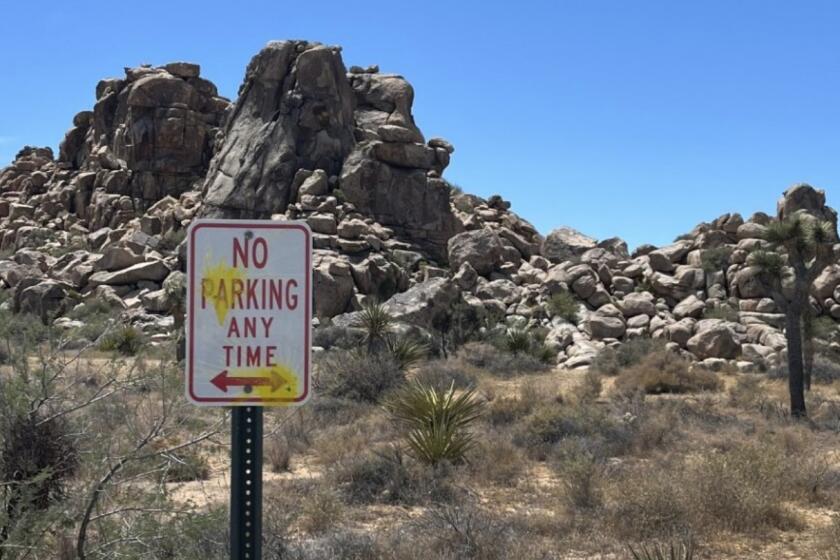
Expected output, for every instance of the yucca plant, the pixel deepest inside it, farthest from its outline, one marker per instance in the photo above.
(437, 421)
(517, 341)
(407, 351)
(657, 551)
(376, 322)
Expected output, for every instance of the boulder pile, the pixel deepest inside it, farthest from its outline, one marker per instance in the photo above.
(309, 140)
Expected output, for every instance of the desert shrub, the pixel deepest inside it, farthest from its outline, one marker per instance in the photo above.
(125, 339)
(825, 328)
(682, 549)
(321, 510)
(612, 360)
(336, 545)
(665, 372)
(496, 460)
(337, 443)
(278, 453)
(97, 315)
(826, 369)
(387, 476)
(372, 477)
(506, 410)
(21, 334)
(716, 259)
(323, 410)
(580, 472)
(437, 422)
(187, 466)
(649, 502)
(357, 375)
(565, 305)
(550, 423)
(462, 531)
(589, 388)
(746, 392)
(332, 336)
(502, 364)
(189, 536)
(38, 456)
(520, 342)
(742, 489)
(441, 374)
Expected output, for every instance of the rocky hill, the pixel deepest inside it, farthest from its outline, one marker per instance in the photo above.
(308, 139)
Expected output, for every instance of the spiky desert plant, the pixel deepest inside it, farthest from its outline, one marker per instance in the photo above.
(800, 247)
(407, 351)
(517, 341)
(376, 322)
(437, 421)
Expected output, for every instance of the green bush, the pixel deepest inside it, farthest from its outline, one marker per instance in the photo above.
(357, 375)
(550, 423)
(825, 328)
(715, 260)
(437, 422)
(387, 477)
(565, 305)
(97, 315)
(581, 473)
(125, 339)
(500, 363)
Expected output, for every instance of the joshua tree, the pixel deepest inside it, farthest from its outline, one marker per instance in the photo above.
(800, 247)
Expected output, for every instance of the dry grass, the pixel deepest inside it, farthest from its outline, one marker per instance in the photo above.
(566, 465)
(665, 372)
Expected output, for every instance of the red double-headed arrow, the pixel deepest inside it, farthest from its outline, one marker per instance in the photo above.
(223, 381)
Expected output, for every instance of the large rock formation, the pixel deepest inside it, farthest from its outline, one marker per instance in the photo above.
(309, 140)
(294, 112)
(300, 113)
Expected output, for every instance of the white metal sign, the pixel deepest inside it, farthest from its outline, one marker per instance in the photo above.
(249, 294)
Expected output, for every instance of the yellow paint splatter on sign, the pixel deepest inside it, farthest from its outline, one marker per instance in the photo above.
(283, 381)
(217, 286)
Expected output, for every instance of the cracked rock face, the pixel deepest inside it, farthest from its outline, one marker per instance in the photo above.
(295, 111)
(299, 110)
(150, 134)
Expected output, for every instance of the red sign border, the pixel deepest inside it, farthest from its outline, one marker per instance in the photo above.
(244, 224)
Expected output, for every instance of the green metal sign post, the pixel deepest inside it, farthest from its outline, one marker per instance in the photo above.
(246, 483)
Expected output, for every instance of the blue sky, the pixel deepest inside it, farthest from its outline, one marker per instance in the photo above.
(637, 119)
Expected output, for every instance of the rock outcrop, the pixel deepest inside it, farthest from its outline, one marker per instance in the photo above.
(309, 140)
